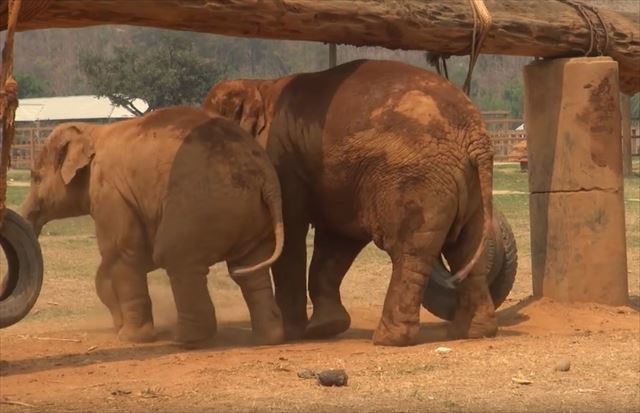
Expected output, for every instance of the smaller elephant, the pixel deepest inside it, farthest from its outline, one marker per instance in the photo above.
(174, 189)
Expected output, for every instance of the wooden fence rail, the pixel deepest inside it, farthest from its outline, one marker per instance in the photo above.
(29, 143)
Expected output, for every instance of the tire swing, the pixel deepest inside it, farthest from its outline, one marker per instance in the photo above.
(20, 286)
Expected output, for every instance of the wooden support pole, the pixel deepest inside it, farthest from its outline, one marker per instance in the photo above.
(333, 55)
(578, 247)
(625, 111)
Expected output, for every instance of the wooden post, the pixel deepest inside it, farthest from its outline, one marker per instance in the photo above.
(578, 247)
(625, 111)
(32, 148)
(333, 55)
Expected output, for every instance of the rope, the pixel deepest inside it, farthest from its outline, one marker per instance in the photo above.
(594, 34)
(8, 100)
(481, 24)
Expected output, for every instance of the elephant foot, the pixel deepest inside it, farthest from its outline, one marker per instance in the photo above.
(396, 335)
(138, 334)
(328, 323)
(192, 334)
(117, 322)
(267, 325)
(478, 327)
(294, 330)
(274, 335)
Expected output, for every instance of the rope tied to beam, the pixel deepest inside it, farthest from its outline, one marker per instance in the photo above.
(8, 101)
(481, 24)
(593, 32)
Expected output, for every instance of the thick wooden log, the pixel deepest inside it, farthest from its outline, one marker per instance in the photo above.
(520, 27)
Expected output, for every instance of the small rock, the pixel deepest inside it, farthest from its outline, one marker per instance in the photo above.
(562, 365)
(443, 350)
(307, 374)
(337, 377)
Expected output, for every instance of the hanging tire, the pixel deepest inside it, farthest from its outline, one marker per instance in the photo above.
(440, 295)
(20, 286)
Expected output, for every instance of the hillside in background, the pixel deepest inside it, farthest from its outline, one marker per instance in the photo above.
(48, 61)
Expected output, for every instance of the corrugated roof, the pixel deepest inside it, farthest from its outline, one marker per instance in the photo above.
(72, 108)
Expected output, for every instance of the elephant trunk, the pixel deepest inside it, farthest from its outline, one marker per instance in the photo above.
(272, 196)
(481, 156)
(31, 213)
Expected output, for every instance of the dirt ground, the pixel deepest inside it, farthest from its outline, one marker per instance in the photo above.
(65, 357)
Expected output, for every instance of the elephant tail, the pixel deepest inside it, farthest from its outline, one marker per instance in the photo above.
(272, 196)
(482, 159)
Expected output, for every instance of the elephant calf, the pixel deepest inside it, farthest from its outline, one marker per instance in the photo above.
(174, 189)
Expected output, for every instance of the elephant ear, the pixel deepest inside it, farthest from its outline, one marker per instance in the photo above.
(75, 152)
(252, 117)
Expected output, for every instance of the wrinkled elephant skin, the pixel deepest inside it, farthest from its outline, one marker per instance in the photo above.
(174, 189)
(373, 150)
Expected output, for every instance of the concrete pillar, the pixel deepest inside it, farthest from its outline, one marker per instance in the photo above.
(578, 246)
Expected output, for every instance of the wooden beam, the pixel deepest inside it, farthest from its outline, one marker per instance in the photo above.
(520, 27)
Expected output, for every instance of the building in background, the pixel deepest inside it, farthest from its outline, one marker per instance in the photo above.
(36, 117)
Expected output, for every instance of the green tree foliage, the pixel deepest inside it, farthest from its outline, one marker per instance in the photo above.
(162, 67)
(30, 86)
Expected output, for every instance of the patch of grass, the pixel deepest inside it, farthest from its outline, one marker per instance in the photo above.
(20, 175)
(15, 196)
(507, 177)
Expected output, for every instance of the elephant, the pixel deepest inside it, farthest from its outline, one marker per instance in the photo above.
(373, 151)
(174, 189)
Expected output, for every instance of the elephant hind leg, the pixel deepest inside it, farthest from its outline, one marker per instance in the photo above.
(414, 243)
(400, 320)
(475, 312)
(257, 290)
(332, 257)
(196, 313)
(108, 297)
(132, 292)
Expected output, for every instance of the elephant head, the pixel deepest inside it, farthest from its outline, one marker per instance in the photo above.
(238, 100)
(60, 178)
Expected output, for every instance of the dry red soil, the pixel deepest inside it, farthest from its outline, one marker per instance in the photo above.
(80, 366)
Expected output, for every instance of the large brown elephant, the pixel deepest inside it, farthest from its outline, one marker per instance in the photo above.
(174, 189)
(373, 150)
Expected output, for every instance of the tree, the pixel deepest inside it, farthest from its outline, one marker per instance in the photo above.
(163, 70)
(30, 86)
(513, 96)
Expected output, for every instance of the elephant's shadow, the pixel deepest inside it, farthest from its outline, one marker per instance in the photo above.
(233, 334)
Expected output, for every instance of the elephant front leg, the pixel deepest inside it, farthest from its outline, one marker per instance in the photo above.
(196, 313)
(132, 292)
(332, 257)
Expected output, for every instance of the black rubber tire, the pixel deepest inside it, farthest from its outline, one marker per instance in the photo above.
(503, 277)
(25, 269)
(441, 301)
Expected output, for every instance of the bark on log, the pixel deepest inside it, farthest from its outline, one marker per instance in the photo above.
(520, 27)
